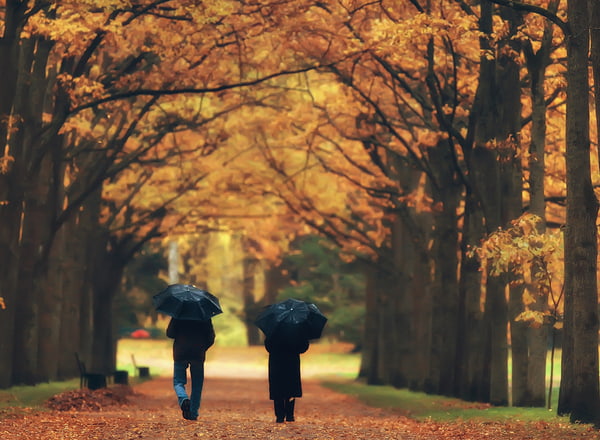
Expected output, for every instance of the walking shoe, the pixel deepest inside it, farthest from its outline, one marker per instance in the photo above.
(185, 409)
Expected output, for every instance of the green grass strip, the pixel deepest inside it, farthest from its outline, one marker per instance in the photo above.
(423, 406)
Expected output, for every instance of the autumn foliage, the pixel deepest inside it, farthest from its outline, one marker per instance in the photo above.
(406, 133)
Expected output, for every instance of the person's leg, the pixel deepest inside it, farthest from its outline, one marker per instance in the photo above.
(179, 382)
(197, 374)
(289, 409)
(279, 406)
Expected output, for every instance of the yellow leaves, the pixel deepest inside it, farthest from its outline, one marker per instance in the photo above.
(72, 28)
(534, 318)
(518, 247)
(528, 298)
(81, 89)
(2, 303)
(532, 257)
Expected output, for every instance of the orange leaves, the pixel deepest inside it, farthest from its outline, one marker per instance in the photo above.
(5, 162)
(238, 407)
(87, 400)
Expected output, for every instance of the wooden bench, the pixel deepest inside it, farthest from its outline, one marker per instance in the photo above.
(93, 381)
(143, 372)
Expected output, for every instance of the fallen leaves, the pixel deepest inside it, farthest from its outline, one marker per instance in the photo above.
(90, 400)
(239, 408)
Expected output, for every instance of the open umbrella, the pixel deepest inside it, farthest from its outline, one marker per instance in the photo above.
(184, 301)
(291, 319)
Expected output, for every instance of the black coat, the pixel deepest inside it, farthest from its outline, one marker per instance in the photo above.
(191, 339)
(284, 368)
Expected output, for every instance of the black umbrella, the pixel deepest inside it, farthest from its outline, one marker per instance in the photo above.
(291, 319)
(184, 301)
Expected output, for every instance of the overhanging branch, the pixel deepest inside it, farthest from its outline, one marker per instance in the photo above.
(519, 6)
(189, 90)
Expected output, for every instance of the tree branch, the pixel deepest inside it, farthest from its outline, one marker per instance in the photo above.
(519, 6)
(190, 90)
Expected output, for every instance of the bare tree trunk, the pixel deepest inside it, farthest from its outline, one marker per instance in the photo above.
(473, 382)
(595, 57)
(447, 193)
(10, 189)
(529, 344)
(50, 313)
(369, 367)
(579, 393)
(72, 268)
(107, 281)
(251, 306)
(400, 312)
(421, 326)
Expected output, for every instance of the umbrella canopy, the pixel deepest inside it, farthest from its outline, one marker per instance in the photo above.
(184, 301)
(291, 319)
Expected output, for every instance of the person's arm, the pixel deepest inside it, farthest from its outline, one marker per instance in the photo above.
(269, 345)
(210, 340)
(303, 347)
(172, 329)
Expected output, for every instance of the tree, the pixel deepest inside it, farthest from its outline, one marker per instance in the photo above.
(97, 82)
(579, 391)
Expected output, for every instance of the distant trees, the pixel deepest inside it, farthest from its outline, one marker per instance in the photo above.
(319, 276)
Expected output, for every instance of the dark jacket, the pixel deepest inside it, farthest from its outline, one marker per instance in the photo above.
(284, 368)
(191, 339)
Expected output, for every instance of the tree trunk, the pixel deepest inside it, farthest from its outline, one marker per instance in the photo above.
(369, 367)
(51, 304)
(107, 281)
(580, 389)
(403, 316)
(39, 206)
(10, 186)
(595, 57)
(72, 268)
(421, 327)
(473, 383)
(447, 194)
(529, 344)
(519, 346)
(251, 306)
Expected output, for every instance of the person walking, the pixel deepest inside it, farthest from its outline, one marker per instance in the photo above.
(191, 340)
(285, 383)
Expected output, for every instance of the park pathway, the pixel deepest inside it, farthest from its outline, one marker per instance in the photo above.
(238, 408)
(232, 408)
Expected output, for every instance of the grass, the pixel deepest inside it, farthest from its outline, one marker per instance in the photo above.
(422, 406)
(34, 396)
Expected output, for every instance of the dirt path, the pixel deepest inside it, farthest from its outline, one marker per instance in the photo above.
(235, 408)
(231, 409)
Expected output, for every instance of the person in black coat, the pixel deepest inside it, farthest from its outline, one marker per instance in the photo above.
(285, 383)
(191, 339)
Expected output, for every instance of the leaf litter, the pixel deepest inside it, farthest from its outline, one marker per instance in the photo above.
(238, 408)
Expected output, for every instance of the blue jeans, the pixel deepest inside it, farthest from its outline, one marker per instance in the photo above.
(180, 380)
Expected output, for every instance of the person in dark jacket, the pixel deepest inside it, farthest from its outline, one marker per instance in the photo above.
(285, 383)
(191, 339)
